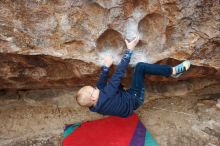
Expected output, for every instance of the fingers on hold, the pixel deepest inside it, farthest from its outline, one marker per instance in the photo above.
(126, 41)
(137, 38)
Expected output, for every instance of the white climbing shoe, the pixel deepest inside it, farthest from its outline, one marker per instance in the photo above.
(181, 68)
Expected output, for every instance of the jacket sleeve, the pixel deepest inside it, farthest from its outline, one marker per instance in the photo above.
(114, 83)
(102, 78)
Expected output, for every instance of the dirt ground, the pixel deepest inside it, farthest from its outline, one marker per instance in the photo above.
(37, 117)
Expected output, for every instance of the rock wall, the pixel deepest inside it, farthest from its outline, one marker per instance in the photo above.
(48, 48)
(25, 72)
(87, 30)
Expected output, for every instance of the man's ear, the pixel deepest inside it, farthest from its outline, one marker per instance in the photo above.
(93, 98)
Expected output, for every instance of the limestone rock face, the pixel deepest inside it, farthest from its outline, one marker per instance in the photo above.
(48, 48)
(88, 30)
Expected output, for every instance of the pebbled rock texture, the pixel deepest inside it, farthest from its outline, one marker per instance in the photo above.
(49, 48)
(84, 31)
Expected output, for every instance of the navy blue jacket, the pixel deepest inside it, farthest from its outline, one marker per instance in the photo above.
(113, 100)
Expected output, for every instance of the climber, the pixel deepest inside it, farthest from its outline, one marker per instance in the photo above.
(109, 98)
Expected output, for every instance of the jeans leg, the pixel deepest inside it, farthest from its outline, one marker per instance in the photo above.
(155, 69)
(137, 86)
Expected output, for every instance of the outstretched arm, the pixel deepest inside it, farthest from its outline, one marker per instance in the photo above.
(101, 83)
(102, 78)
(113, 85)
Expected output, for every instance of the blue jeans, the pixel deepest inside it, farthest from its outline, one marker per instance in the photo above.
(137, 86)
